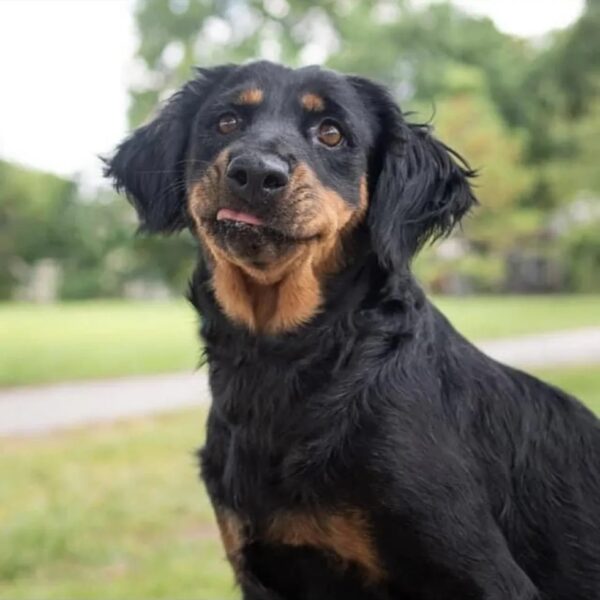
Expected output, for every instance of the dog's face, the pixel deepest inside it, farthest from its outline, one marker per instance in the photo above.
(277, 163)
(274, 169)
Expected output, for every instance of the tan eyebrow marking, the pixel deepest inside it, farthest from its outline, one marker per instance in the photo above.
(312, 102)
(250, 96)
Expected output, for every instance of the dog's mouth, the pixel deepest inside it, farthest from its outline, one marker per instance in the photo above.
(240, 221)
(253, 239)
(227, 214)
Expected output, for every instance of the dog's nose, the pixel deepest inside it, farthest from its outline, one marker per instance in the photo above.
(257, 177)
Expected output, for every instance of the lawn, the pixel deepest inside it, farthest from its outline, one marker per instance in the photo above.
(116, 512)
(486, 317)
(113, 512)
(97, 339)
(581, 381)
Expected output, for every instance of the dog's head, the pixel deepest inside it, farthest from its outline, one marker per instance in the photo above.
(274, 168)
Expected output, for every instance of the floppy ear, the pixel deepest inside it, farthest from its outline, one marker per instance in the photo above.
(419, 186)
(149, 165)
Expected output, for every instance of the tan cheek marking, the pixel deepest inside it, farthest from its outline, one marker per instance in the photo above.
(347, 535)
(363, 203)
(312, 102)
(201, 194)
(250, 96)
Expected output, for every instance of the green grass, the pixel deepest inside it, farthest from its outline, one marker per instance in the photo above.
(486, 317)
(581, 381)
(98, 339)
(82, 340)
(117, 512)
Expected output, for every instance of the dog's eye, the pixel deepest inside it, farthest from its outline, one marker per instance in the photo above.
(329, 134)
(228, 123)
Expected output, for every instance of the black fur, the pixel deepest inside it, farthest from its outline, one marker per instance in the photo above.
(150, 165)
(478, 480)
(411, 164)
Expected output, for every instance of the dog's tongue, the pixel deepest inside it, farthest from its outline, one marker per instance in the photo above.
(232, 215)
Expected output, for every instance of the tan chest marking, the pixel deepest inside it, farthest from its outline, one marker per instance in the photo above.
(232, 536)
(346, 534)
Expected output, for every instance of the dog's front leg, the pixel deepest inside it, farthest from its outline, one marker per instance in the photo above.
(442, 541)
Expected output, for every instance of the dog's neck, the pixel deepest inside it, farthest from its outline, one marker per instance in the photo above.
(363, 298)
(267, 306)
(286, 295)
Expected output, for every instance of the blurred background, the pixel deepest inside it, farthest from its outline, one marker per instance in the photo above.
(100, 408)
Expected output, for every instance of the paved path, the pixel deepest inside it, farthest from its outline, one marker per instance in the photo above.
(31, 410)
(559, 348)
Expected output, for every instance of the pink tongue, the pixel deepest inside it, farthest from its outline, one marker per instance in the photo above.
(232, 215)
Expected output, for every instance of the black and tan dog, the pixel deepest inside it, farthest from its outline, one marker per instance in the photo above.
(357, 446)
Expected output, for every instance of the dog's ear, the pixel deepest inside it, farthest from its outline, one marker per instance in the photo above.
(149, 165)
(419, 186)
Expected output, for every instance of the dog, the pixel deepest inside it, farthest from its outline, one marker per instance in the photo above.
(357, 446)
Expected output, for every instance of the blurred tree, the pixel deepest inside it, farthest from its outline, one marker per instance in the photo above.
(570, 68)
(413, 46)
(476, 130)
(580, 256)
(469, 119)
(89, 239)
(32, 206)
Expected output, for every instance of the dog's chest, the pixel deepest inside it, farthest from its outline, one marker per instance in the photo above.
(275, 437)
(272, 523)
(283, 480)
(267, 458)
(300, 555)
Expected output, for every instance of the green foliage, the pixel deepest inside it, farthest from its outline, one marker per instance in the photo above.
(414, 47)
(476, 272)
(476, 130)
(32, 206)
(574, 71)
(90, 238)
(580, 253)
